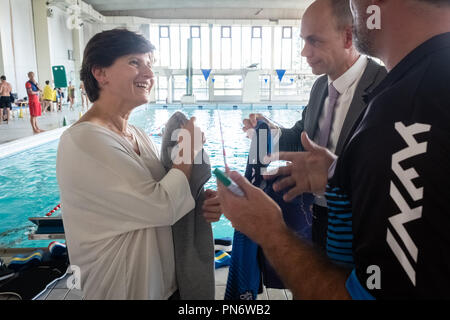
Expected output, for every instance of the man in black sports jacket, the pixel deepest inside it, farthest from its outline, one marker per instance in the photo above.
(392, 173)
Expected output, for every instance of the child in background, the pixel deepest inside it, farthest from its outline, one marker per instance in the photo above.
(48, 97)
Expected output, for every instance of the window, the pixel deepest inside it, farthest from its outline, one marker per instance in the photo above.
(196, 53)
(226, 53)
(204, 34)
(179, 87)
(266, 58)
(265, 85)
(296, 50)
(216, 47)
(286, 54)
(287, 86)
(175, 51)
(256, 32)
(230, 48)
(164, 46)
(164, 50)
(195, 32)
(164, 31)
(200, 88)
(161, 88)
(185, 34)
(236, 47)
(246, 41)
(227, 85)
(287, 32)
(154, 39)
(226, 32)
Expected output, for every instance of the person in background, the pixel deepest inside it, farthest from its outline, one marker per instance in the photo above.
(60, 98)
(54, 100)
(71, 95)
(336, 98)
(47, 97)
(33, 92)
(84, 98)
(5, 99)
(388, 186)
(119, 201)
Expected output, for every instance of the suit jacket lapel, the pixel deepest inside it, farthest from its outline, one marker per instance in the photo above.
(358, 105)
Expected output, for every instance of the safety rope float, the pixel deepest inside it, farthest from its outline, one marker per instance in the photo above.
(48, 214)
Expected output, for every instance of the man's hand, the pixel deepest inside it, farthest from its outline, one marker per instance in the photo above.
(211, 206)
(251, 122)
(306, 172)
(256, 215)
(260, 218)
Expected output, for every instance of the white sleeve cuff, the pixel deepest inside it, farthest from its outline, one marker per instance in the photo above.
(177, 187)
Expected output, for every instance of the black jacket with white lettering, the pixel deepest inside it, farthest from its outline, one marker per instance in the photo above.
(395, 169)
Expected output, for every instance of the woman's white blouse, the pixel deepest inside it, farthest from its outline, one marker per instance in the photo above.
(118, 209)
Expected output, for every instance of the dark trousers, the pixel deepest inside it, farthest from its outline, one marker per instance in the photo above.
(320, 226)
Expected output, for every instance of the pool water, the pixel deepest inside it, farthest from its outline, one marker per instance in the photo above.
(28, 186)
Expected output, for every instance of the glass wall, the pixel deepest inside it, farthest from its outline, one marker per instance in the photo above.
(229, 50)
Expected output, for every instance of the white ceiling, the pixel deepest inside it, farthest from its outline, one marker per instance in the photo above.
(207, 9)
(109, 5)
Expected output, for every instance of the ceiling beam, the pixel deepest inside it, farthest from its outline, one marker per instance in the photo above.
(212, 13)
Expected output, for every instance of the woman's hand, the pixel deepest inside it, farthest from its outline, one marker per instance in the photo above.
(190, 143)
(195, 136)
(211, 207)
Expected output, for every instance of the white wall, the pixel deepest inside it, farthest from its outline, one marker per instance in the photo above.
(18, 53)
(18, 46)
(2, 68)
(23, 41)
(7, 56)
(61, 41)
(90, 30)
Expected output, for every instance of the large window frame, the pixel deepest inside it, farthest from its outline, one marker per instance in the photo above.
(195, 34)
(228, 49)
(225, 32)
(164, 32)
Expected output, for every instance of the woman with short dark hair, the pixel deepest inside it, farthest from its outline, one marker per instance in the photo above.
(119, 203)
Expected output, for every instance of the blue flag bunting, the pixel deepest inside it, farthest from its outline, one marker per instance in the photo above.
(280, 73)
(206, 73)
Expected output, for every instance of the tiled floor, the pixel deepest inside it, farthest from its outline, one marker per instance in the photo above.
(268, 294)
(20, 127)
(59, 290)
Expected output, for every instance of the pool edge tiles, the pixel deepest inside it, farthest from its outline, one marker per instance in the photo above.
(19, 145)
(276, 105)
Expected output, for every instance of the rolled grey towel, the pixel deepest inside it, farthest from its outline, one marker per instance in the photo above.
(192, 235)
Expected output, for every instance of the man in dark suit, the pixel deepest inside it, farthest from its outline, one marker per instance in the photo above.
(392, 172)
(336, 98)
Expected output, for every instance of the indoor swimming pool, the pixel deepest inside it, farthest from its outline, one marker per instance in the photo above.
(28, 186)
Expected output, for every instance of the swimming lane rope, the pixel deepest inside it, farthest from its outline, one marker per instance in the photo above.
(48, 214)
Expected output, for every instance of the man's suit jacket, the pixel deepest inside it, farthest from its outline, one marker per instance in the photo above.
(290, 138)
